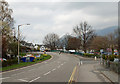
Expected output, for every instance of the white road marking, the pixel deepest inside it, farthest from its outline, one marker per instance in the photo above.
(64, 62)
(58, 66)
(4, 78)
(23, 80)
(34, 79)
(31, 70)
(81, 62)
(45, 62)
(54, 69)
(61, 64)
(17, 74)
(47, 73)
(13, 74)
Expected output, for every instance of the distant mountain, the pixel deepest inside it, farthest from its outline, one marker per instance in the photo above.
(106, 31)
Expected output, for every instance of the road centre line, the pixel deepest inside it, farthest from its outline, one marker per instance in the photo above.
(72, 76)
(23, 80)
(54, 69)
(4, 78)
(47, 73)
(35, 79)
(58, 66)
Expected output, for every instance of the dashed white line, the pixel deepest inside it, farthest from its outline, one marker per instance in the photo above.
(47, 73)
(61, 64)
(54, 69)
(4, 78)
(17, 74)
(14, 75)
(23, 80)
(58, 66)
(35, 79)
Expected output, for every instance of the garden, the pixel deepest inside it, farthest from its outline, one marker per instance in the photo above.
(11, 64)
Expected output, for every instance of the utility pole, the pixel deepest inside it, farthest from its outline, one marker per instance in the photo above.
(19, 41)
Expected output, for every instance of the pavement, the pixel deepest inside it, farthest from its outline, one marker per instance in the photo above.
(64, 68)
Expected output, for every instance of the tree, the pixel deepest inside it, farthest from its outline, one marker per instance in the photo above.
(112, 41)
(51, 40)
(118, 37)
(99, 42)
(6, 26)
(85, 33)
(63, 41)
(73, 43)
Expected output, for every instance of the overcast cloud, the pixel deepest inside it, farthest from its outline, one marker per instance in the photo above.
(61, 17)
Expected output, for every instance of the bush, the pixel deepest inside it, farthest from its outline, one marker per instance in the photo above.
(110, 57)
(9, 62)
(90, 55)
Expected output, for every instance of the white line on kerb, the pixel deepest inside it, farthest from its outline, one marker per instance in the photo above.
(34, 79)
(31, 70)
(45, 62)
(47, 73)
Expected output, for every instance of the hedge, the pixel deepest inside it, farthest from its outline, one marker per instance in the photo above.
(110, 57)
(9, 62)
(90, 55)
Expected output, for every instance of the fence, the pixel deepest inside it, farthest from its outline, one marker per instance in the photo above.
(114, 66)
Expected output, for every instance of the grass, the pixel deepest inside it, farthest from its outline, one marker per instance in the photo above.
(23, 64)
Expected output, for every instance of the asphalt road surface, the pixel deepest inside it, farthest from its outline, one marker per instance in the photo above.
(60, 68)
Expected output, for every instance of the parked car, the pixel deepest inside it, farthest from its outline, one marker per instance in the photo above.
(116, 60)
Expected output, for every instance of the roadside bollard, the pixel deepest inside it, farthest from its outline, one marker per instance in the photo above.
(95, 58)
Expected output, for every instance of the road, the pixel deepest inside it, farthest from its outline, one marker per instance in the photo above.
(60, 68)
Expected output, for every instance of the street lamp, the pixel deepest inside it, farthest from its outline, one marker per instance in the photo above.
(19, 39)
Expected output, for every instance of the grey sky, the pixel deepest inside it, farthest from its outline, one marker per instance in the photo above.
(61, 17)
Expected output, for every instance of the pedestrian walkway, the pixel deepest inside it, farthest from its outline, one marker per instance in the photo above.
(110, 75)
(95, 72)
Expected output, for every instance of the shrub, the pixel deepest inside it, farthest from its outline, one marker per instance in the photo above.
(110, 57)
(9, 62)
(90, 55)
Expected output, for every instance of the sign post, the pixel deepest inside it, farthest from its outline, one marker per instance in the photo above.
(101, 52)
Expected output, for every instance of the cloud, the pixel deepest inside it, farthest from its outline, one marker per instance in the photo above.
(61, 17)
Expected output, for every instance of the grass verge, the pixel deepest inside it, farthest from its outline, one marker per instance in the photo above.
(23, 64)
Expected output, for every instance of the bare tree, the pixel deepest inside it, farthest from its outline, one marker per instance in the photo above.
(118, 37)
(51, 40)
(112, 41)
(85, 33)
(73, 43)
(99, 42)
(64, 41)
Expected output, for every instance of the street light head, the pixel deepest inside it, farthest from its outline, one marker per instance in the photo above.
(28, 24)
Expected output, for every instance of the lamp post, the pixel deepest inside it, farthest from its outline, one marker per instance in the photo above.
(19, 41)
